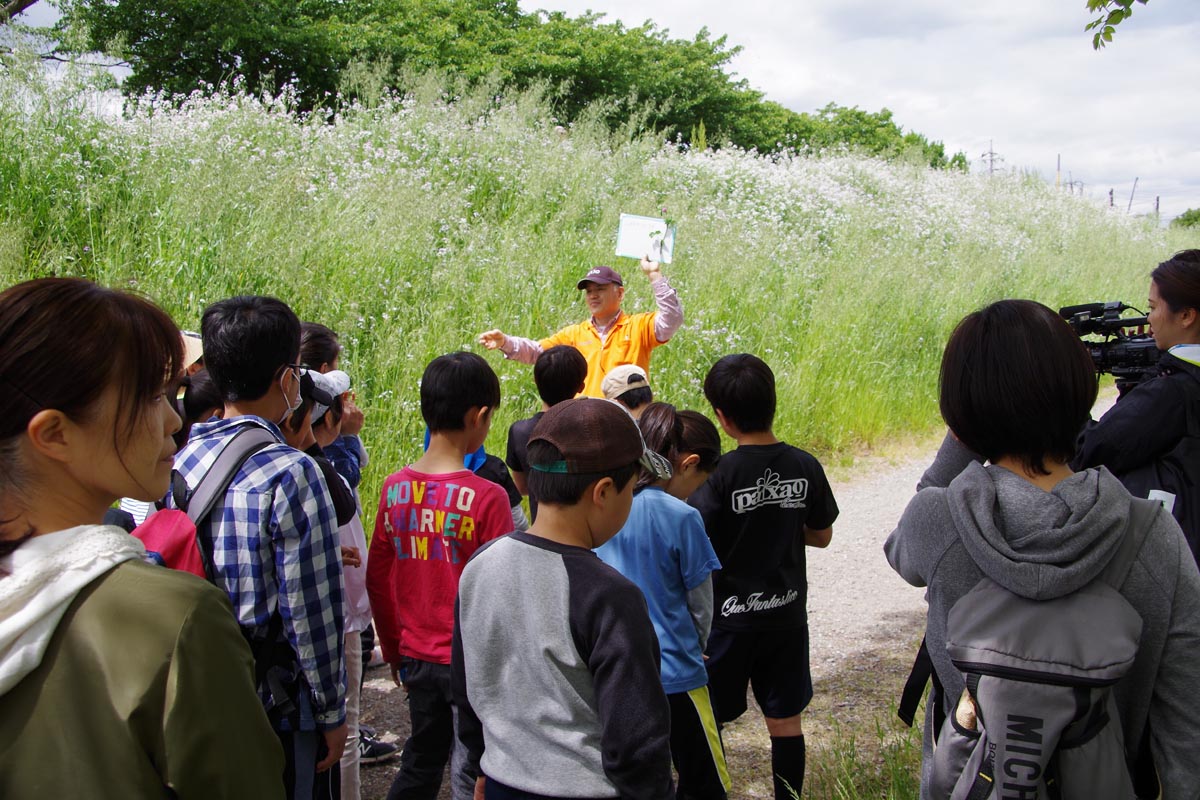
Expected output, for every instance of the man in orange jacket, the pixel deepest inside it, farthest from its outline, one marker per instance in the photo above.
(610, 337)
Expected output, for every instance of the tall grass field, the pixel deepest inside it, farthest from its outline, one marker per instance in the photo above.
(413, 225)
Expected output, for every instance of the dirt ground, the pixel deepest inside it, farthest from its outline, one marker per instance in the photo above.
(848, 700)
(864, 626)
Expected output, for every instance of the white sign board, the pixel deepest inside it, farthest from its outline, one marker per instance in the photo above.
(645, 237)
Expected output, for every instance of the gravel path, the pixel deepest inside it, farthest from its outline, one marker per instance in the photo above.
(855, 600)
(853, 595)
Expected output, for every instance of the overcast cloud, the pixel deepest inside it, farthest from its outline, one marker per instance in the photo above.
(1021, 74)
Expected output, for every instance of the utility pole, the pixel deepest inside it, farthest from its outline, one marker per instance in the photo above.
(1058, 173)
(992, 158)
(1129, 209)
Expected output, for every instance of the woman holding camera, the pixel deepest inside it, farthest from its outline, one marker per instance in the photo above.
(117, 678)
(1151, 438)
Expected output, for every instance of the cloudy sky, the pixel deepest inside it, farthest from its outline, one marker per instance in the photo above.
(1021, 74)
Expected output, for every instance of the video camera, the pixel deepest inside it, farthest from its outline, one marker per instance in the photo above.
(1127, 352)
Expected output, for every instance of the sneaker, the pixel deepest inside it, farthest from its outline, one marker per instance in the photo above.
(373, 751)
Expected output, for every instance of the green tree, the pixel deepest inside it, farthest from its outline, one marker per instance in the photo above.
(1188, 219)
(320, 47)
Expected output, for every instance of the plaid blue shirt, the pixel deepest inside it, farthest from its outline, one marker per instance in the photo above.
(275, 544)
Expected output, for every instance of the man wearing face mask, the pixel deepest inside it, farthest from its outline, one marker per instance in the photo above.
(276, 526)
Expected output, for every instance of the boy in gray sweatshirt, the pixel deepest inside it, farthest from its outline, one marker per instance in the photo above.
(554, 665)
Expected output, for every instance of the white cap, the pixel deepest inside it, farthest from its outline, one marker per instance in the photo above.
(620, 380)
(335, 383)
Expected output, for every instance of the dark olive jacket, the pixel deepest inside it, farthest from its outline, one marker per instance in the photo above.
(146, 690)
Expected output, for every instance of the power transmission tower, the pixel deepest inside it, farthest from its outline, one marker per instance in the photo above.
(992, 158)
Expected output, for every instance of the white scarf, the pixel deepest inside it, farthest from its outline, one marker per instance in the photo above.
(43, 577)
(1187, 352)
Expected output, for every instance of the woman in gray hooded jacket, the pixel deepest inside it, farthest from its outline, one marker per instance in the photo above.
(1016, 387)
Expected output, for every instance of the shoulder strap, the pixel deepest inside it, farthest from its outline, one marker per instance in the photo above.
(914, 687)
(1141, 515)
(213, 485)
(198, 503)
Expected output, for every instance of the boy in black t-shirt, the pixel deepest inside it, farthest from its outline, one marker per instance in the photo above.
(762, 506)
(559, 374)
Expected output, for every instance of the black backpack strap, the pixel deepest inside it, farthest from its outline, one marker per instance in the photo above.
(199, 502)
(914, 687)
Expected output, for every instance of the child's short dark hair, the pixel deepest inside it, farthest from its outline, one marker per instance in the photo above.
(452, 385)
(1016, 381)
(566, 489)
(559, 374)
(742, 388)
(636, 398)
(247, 340)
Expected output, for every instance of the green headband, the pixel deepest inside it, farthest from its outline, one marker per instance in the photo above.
(557, 467)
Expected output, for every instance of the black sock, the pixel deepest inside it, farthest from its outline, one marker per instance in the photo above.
(787, 762)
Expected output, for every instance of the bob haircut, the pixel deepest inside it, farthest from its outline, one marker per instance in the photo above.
(452, 385)
(63, 341)
(742, 388)
(559, 374)
(1178, 280)
(564, 489)
(1016, 381)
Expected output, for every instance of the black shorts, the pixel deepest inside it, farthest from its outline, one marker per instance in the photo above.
(773, 663)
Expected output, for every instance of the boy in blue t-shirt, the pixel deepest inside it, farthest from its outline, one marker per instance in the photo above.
(664, 550)
(763, 505)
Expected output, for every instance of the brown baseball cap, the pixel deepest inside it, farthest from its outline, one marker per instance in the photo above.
(601, 275)
(594, 436)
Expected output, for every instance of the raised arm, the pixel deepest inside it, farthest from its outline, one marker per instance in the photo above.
(670, 311)
(516, 348)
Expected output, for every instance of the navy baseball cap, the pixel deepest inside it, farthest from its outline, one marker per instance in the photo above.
(601, 275)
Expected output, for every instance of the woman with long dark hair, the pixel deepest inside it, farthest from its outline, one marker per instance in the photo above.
(137, 674)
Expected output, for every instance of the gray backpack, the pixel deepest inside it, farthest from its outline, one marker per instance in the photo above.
(1038, 718)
